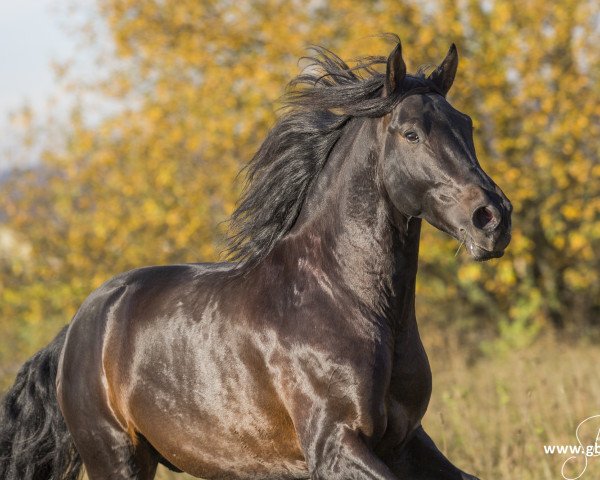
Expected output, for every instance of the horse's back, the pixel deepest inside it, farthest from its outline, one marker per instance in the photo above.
(130, 297)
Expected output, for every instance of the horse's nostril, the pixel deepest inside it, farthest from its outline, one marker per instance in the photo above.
(486, 218)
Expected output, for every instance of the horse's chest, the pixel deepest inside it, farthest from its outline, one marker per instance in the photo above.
(395, 396)
(398, 387)
(410, 386)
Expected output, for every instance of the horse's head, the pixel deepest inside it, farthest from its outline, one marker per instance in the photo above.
(429, 165)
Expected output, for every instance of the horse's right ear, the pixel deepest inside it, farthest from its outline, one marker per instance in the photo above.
(443, 76)
(396, 71)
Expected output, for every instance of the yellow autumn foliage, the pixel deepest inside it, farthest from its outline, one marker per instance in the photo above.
(197, 83)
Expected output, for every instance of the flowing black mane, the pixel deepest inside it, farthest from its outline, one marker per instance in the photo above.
(319, 103)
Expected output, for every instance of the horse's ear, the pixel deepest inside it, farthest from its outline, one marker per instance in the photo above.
(443, 76)
(396, 70)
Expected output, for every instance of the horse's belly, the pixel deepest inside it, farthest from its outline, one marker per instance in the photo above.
(242, 455)
(203, 462)
(239, 439)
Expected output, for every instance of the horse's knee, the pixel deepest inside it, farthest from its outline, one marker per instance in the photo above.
(346, 456)
(114, 461)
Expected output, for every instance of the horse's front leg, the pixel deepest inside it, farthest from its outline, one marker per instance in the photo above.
(343, 454)
(420, 459)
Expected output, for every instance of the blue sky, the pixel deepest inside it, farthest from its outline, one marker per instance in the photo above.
(31, 37)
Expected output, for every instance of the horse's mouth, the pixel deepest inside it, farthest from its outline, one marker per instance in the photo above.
(479, 253)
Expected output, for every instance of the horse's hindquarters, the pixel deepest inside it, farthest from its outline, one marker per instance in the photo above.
(157, 356)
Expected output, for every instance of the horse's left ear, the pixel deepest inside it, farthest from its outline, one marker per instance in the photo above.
(396, 70)
(443, 76)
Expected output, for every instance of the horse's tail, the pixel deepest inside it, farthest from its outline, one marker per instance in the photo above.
(34, 441)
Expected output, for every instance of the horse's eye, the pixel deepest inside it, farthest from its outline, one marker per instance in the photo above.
(411, 136)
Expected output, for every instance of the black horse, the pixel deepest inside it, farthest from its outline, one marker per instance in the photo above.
(301, 359)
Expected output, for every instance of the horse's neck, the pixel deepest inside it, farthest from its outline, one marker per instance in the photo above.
(349, 231)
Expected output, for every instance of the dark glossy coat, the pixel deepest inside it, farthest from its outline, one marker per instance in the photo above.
(303, 360)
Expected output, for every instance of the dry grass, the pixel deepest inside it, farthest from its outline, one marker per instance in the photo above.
(493, 417)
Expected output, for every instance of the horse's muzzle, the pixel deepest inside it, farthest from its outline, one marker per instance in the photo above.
(487, 233)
